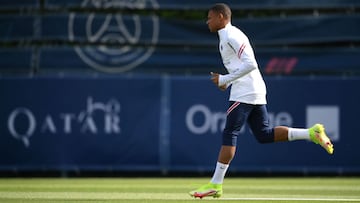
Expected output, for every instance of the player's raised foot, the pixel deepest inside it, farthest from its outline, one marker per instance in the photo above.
(208, 190)
(318, 136)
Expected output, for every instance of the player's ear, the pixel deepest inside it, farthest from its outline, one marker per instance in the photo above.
(221, 16)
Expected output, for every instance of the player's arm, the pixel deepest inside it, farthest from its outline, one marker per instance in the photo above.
(244, 67)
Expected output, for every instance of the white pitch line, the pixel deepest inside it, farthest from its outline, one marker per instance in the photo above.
(292, 199)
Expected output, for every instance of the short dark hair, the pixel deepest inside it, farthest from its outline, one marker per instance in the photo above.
(223, 9)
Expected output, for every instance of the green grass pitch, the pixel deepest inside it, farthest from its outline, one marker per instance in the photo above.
(174, 190)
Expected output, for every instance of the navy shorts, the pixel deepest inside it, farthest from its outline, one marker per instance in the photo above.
(257, 118)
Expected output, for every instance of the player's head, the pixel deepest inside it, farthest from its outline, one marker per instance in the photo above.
(218, 16)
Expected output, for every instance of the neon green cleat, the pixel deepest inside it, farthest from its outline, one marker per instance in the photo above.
(208, 190)
(318, 136)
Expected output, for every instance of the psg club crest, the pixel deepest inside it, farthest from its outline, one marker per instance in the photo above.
(117, 40)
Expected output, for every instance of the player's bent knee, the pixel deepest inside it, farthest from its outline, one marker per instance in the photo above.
(264, 137)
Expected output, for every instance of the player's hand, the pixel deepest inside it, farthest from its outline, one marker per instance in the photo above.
(215, 80)
(223, 87)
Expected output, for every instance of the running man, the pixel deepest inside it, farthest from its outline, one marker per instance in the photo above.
(247, 100)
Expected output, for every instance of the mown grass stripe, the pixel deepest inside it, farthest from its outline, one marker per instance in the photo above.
(154, 196)
(174, 190)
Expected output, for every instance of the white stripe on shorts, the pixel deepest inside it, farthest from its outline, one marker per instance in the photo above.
(232, 107)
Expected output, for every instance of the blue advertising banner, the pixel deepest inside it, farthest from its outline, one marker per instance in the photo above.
(79, 123)
(165, 123)
(291, 102)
